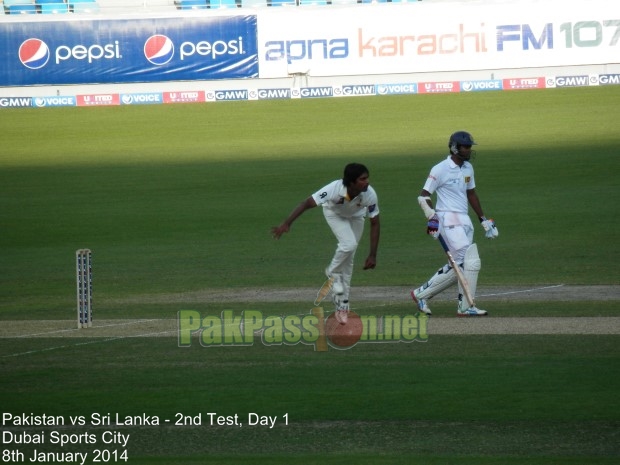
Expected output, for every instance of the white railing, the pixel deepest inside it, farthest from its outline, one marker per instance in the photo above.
(145, 6)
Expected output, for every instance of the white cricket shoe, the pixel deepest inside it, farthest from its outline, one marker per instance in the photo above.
(421, 303)
(471, 311)
(337, 285)
(342, 311)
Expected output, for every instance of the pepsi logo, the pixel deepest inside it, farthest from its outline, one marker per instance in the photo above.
(158, 50)
(34, 53)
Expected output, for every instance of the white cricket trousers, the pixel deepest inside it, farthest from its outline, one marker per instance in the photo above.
(458, 232)
(348, 232)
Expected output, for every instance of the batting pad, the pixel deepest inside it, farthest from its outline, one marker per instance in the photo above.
(440, 281)
(471, 268)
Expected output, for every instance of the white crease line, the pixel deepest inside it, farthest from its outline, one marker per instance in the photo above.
(479, 295)
(534, 289)
(83, 343)
(47, 349)
(91, 328)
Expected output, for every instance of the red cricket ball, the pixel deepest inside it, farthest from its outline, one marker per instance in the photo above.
(344, 335)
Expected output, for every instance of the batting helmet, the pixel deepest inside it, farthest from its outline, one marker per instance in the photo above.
(460, 138)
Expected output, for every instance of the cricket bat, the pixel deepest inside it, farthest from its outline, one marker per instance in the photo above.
(459, 273)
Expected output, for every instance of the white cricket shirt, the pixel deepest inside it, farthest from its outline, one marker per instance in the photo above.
(451, 183)
(334, 197)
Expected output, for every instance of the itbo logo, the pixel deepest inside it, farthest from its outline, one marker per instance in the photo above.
(229, 329)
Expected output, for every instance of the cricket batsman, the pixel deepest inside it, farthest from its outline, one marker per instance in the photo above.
(453, 182)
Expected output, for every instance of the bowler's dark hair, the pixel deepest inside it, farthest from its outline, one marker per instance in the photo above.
(353, 171)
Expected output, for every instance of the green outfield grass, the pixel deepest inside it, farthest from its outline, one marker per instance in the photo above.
(179, 198)
(176, 200)
(450, 400)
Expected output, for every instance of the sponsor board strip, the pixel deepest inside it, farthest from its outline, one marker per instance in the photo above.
(280, 93)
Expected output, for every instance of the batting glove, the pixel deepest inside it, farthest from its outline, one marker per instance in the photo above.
(490, 231)
(432, 227)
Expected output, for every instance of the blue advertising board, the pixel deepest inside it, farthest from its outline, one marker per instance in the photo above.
(128, 51)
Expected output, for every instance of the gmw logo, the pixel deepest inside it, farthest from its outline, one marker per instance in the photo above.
(35, 53)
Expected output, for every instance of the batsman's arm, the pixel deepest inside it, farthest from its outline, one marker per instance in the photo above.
(426, 204)
(306, 204)
(490, 230)
(474, 201)
(375, 234)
